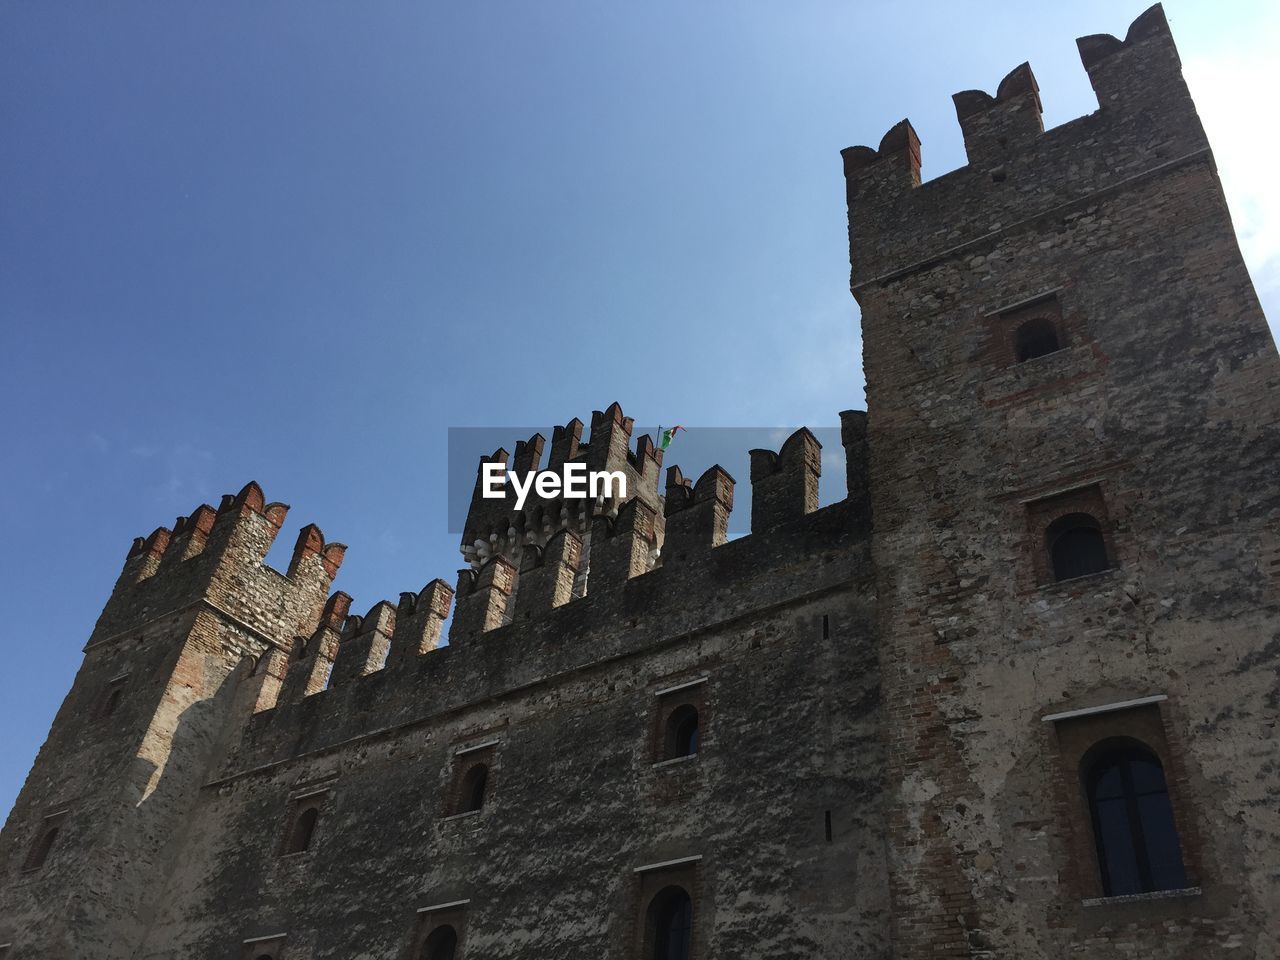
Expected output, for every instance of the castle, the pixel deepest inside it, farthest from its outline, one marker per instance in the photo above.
(1015, 696)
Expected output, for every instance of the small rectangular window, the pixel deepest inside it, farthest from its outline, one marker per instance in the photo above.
(680, 720)
(264, 948)
(471, 779)
(302, 822)
(43, 843)
(1126, 829)
(110, 699)
(1034, 329)
(1071, 535)
(440, 931)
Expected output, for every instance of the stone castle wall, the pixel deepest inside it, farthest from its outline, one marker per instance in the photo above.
(895, 694)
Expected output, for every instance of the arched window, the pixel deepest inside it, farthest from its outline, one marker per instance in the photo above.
(304, 826)
(113, 701)
(471, 793)
(441, 945)
(671, 924)
(1036, 338)
(40, 852)
(1133, 828)
(682, 733)
(1076, 547)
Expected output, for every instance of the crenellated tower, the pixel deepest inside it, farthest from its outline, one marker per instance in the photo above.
(1073, 426)
(154, 706)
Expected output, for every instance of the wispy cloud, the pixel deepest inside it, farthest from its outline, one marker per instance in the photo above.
(1231, 90)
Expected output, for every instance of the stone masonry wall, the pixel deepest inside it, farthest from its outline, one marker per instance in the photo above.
(781, 802)
(148, 718)
(1161, 412)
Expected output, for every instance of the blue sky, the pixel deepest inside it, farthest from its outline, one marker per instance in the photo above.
(296, 242)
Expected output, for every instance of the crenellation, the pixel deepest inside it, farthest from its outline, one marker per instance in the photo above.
(999, 128)
(420, 621)
(1146, 123)
(565, 442)
(483, 598)
(623, 547)
(365, 644)
(698, 517)
(784, 485)
(829, 548)
(548, 574)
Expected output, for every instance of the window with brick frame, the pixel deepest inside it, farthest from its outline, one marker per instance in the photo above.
(1122, 802)
(111, 697)
(680, 720)
(471, 780)
(1029, 329)
(301, 823)
(1070, 535)
(1032, 330)
(264, 948)
(45, 839)
(440, 932)
(665, 897)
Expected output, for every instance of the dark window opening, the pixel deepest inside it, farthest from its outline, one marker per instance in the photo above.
(441, 945)
(1077, 547)
(474, 784)
(828, 826)
(1133, 827)
(304, 828)
(1036, 338)
(41, 849)
(682, 733)
(671, 919)
(113, 701)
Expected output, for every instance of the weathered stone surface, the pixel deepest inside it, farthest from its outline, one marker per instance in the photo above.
(1161, 408)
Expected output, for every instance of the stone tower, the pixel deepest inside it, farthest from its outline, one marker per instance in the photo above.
(196, 627)
(1073, 400)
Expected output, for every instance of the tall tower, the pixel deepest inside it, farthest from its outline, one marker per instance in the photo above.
(1073, 401)
(194, 612)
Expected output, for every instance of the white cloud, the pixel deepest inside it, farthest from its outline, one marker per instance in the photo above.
(1232, 90)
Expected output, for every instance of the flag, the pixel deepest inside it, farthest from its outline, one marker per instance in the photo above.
(666, 436)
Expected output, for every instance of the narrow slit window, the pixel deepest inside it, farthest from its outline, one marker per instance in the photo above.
(474, 789)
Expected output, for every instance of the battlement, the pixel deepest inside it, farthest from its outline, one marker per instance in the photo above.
(495, 526)
(549, 635)
(597, 573)
(1017, 171)
(218, 556)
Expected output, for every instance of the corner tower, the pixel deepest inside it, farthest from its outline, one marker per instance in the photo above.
(1074, 421)
(88, 848)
